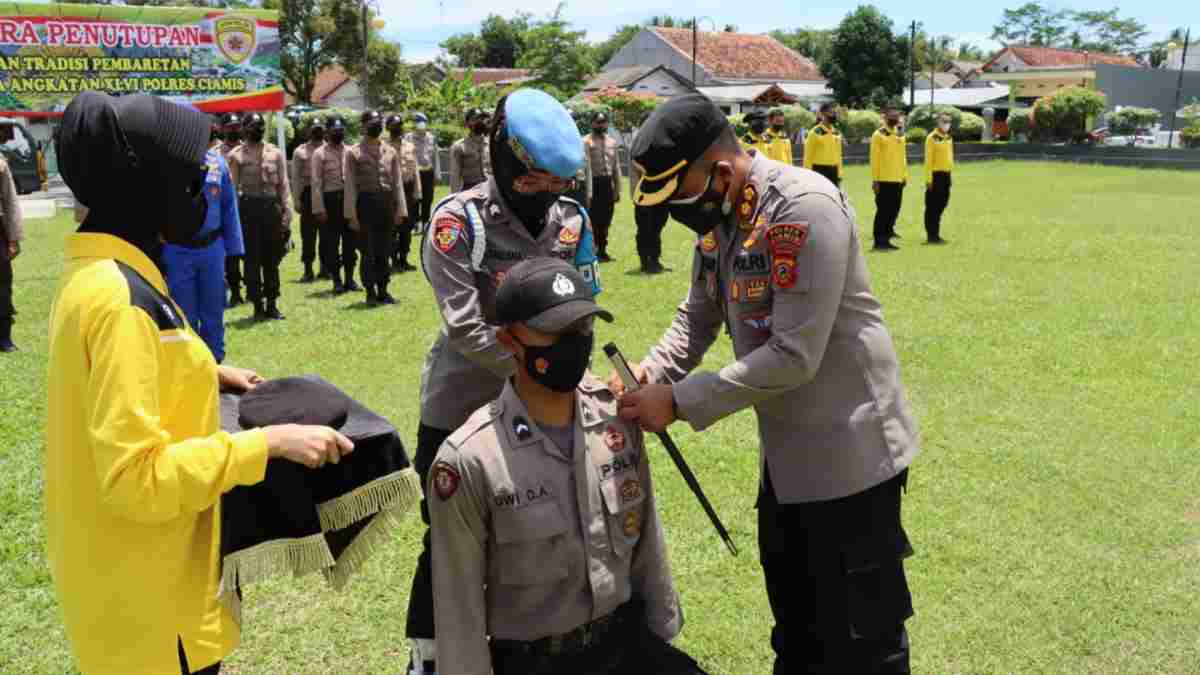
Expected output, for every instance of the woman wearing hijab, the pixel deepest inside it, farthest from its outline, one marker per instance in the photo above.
(135, 461)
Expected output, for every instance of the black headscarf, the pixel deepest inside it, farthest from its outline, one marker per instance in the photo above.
(507, 167)
(137, 163)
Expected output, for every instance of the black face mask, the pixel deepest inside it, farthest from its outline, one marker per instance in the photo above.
(233, 137)
(560, 367)
(702, 215)
(777, 127)
(256, 134)
(396, 133)
(316, 136)
(758, 127)
(186, 207)
(337, 136)
(374, 129)
(600, 131)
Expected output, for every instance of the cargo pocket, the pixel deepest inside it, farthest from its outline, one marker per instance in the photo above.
(878, 600)
(624, 499)
(530, 545)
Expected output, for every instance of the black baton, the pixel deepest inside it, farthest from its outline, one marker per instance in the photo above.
(632, 384)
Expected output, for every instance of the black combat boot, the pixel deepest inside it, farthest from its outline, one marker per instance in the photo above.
(6, 343)
(308, 277)
(235, 299)
(273, 310)
(350, 285)
(385, 298)
(260, 311)
(323, 273)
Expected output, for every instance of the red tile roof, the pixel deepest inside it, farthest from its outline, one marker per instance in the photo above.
(1050, 57)
(328, 81)
(738, 55)
(485, 75)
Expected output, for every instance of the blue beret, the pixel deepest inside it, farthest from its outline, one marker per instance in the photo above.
(542, 132)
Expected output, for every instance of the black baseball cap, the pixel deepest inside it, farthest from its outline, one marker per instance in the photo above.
(546, 294)
(317, 123)
(677, 133)
(336, 122)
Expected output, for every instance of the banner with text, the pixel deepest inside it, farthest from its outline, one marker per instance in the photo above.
(218, 60)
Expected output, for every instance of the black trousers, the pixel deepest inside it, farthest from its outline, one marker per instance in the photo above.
(936, 200)
(835, 580)
(339, 244)
(630, 648)
(579, 194)
(829, 171)
(404, 232)
(650, 223)
(887, 210)
(233, 270)
(377, 232)
(7, 310)
(266, 244)
(424, 214)
(214, 669)
(420, 600)
(309, 230)
(601, 211)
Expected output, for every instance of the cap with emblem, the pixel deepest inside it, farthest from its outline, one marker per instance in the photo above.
(546, 294)
(542, 134)
(677, 133)
(317, 123)
(393, 120)
(336, 122)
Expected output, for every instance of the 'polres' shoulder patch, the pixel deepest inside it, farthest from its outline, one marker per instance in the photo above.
(445, 480)
(446, 230)
(785, 241)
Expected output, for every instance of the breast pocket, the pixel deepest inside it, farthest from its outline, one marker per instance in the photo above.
(530, 545)
(624, 500)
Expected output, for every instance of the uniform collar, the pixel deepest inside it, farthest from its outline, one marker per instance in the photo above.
(91, 246)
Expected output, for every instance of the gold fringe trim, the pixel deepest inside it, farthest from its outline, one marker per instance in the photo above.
(381, 494)
(272, 558)
(377, 533)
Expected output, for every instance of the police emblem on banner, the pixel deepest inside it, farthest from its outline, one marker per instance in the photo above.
(236, 37)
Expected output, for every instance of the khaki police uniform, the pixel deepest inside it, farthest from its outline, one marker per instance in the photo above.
(259, 172)
(939, 163)
(603, 160)
(467, 367)
(889, 168)
(411, 179)
(233, 263)
(339, 244)
(11, 230)
(582, 190)
(302, 191)
(823, 152)
(424, 145)
(375, 200)
(788, 281)
(536, 546)
(470, 163)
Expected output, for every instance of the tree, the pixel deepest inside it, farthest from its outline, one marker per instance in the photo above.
(1104, 31)
(1064, 115)
(499, 43)
(1158, 52)
(304, 52)
(867, 64)
(559, 59)
(1031, 23)
(603, 52)
(815, 43)
(970, 52)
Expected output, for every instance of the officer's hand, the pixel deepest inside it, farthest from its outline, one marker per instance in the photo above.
(652, 407)
(875, 186)
(617, 386)
(14, 249)
(322, 217)
(311, 446)
(238, 379)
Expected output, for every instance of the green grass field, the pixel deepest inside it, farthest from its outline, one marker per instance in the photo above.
(1052, 352)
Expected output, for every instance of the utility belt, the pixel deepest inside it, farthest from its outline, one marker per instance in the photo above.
(203, 241)
(587, 636)
(425, 169)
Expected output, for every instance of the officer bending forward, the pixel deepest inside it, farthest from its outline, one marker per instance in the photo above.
(558, 590)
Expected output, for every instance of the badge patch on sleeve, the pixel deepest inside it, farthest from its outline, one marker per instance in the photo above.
(445, 233)
(445, 480)
(785, 271)
(787, 238)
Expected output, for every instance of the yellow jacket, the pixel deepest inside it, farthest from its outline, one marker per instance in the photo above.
(823, 146)
(760, 143)
(779, 147)
(889, 164)
(135, 468)
(939, 154)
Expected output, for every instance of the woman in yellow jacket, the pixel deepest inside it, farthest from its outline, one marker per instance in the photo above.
(135, 461)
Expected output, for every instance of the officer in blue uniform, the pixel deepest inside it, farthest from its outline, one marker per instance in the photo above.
(196, 268)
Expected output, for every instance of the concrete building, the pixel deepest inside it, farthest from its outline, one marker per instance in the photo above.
(1034, 72)
(1175, 58)
(658, 80)
(721, 58)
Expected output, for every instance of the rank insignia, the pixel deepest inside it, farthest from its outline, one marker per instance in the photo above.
(614, 438)
(445, 480)
(445, 233)
(630, 490)
(784, 271)
(521, 429)
(748, 206)
(568, 236)
(735, 291)
(708, 243)
(631, 523)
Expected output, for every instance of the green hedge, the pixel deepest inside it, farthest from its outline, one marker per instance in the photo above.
(926, 116)
(1020, 122)
(915, 134)
(858, 125)
(970, 128)
(1126, 121)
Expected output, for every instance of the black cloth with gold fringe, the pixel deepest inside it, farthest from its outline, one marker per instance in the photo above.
(300, 520)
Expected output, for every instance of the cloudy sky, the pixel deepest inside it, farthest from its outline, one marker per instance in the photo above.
(419, 25)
